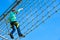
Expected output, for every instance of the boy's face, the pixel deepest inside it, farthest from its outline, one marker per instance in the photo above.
(14, 11)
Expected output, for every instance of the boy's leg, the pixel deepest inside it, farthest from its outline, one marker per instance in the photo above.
(13, 30)
(18, 30)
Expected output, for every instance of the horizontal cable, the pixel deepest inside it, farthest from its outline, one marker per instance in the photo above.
(27, 32)
(10, 10)
(6, 10)
(37, 15)
(25, 8)
(3, 37)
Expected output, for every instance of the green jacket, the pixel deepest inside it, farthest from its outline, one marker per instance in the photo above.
(12, 16)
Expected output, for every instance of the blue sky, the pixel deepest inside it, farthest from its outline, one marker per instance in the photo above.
(49, 30)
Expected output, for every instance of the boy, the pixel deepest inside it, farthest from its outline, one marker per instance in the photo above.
(13, 22)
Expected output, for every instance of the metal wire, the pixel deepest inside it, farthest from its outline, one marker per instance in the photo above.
(37, 15)
(3, 37)
(9, 11)
(27, 32)
(4, 15)
(48, 15)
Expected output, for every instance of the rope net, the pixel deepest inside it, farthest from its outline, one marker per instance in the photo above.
(34, 14)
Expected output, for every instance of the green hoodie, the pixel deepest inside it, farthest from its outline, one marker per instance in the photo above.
(12, 16)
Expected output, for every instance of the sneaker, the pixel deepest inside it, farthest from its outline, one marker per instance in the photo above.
(21, 35)
(11, 36)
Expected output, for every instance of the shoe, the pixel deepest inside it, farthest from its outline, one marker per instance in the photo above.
(11, 36)
(21, 35)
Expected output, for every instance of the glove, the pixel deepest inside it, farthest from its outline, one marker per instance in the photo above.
(20, 9)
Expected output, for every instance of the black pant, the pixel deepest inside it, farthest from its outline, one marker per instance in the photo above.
(13, 27)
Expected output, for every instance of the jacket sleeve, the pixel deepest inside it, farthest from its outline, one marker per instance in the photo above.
(20, 9)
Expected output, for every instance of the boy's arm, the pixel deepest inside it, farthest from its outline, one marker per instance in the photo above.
(20, 9)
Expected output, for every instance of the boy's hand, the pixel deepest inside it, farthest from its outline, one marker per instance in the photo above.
(20, 9)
